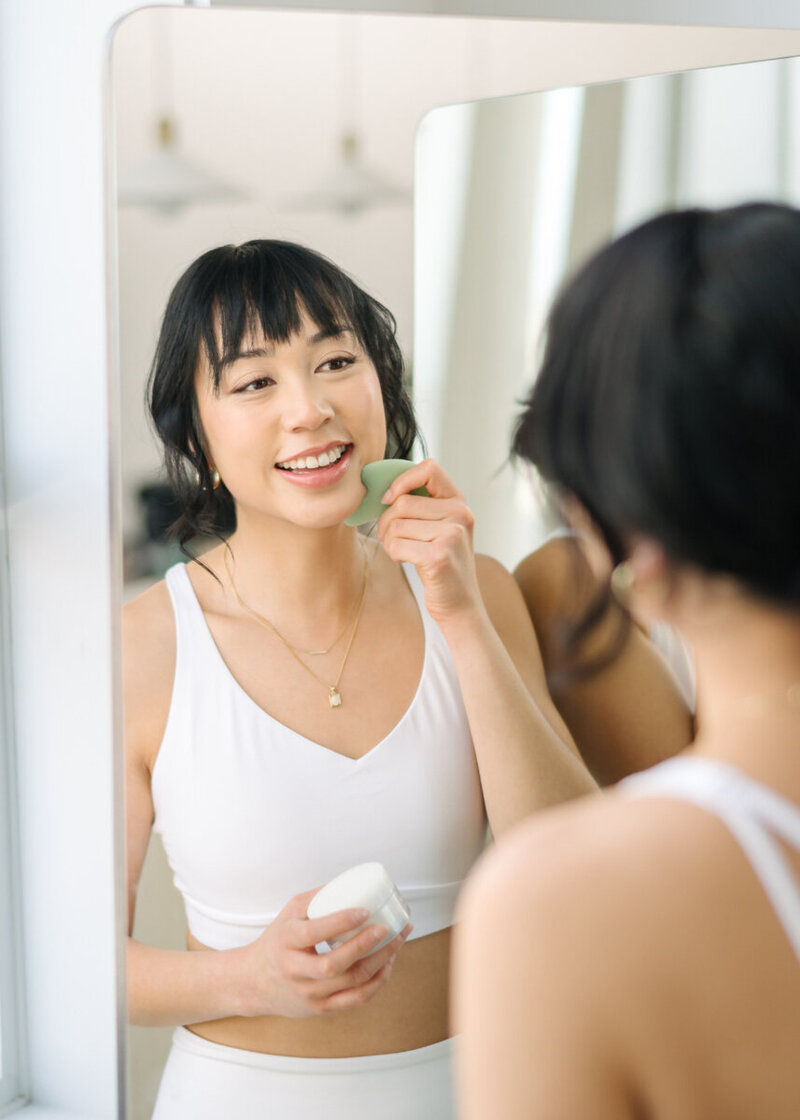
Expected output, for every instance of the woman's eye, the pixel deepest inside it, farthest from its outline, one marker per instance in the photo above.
(256, 384)
(336, 364)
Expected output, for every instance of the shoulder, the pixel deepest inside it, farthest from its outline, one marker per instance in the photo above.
(147, 621)
(499, 589)
(582, 943)
(625, 877)
(148, 665)
(551, 572)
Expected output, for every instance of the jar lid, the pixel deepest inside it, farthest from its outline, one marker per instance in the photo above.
(367, 884)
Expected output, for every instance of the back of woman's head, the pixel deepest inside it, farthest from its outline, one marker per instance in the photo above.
(222, 298)
(668, 401)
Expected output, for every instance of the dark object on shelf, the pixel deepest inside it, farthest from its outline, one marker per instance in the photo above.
(160, 510)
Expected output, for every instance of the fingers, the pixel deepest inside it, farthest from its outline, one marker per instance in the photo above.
(356, 997)
(417, 507)
(350, 957)
(442, 514)
(429, 474)
(359, 974)
(304, 933)
(431, 546)
(297, 907)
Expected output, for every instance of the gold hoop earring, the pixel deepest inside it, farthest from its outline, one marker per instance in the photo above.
(215, 479)
(622, 582)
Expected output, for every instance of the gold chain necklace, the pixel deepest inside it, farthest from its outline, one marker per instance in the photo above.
(286, 642)
(334, 695)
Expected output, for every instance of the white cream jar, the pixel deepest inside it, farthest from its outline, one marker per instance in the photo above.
(368, 885)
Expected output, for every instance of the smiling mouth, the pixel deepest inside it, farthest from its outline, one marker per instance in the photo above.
(310, 463)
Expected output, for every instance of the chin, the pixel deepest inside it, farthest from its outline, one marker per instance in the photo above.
(328, 519)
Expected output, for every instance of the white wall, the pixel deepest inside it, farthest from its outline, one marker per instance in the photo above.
(53, 326)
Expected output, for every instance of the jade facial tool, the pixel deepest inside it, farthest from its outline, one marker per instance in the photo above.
(378, 477)
(367, 885)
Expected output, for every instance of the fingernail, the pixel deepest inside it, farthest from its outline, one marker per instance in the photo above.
(387, 498)
(379, 932)
(359, 915)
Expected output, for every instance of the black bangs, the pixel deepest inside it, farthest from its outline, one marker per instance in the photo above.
(265, 287)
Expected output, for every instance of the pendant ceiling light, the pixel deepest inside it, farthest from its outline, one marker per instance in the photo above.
(351, 186)
(165, 180)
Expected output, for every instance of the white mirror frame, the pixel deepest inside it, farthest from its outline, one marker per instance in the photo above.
(58, 371)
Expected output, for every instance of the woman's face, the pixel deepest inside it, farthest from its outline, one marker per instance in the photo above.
(293, 424)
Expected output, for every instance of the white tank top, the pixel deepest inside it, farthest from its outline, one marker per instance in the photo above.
(252, 813)
(757, 817)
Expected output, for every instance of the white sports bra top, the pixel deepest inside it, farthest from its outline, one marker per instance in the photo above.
(757, 816)
(252, 813)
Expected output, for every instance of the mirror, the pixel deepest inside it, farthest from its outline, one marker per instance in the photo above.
(543, 179)
(262, 108)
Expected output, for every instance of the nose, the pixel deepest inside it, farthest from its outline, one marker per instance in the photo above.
(305, 405)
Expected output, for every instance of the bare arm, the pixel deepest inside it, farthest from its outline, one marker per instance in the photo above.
(280, 973)
(627, 716)
(525, 753)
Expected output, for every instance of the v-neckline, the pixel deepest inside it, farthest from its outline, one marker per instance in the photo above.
(410, 575)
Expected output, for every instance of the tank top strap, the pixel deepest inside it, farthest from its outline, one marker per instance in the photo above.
(418, 591)
(191, 628)
(753, 814)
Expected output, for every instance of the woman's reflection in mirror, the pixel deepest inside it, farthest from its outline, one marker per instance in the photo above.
(304, 697)
(625, 686)
(639, 954)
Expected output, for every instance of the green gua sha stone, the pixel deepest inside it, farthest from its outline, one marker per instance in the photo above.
(378, 477)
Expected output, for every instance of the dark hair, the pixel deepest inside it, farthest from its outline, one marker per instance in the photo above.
(235, 289)
(669, 396)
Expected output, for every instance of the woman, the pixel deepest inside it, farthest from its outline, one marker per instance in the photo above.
(650, 938)
(303, 699)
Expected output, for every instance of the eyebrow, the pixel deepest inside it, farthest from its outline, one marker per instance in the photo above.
(268, 351)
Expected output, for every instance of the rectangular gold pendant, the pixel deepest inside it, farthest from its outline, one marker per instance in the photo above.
(335, 698)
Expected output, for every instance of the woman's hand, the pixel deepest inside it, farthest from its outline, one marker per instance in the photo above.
(526, 757)
(435, 535)
(285, 975)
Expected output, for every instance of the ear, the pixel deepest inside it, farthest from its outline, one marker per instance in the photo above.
(651, 577)
(199, 444)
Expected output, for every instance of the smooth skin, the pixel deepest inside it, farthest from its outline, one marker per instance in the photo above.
(628, 715)
(618, 958)
(296, 563)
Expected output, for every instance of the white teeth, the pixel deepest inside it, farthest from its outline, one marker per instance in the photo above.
(312, 462)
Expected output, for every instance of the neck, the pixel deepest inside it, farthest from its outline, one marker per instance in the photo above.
(304, 579)
(748, 667)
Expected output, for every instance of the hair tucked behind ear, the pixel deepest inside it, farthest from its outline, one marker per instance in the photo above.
(669, 394)
(222, 296)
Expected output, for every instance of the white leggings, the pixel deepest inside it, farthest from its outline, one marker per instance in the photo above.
(205, 1081)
